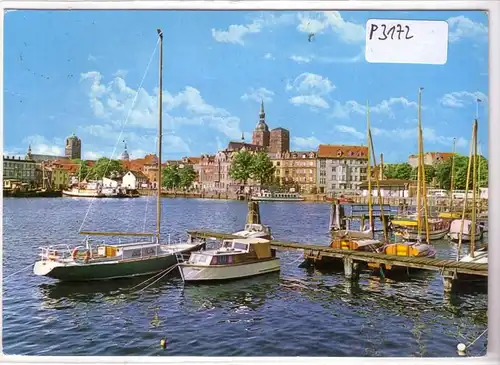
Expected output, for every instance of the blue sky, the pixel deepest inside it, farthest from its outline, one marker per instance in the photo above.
(79, 71)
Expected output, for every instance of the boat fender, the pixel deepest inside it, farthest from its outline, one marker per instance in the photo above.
(163, 343)
(461, 349)
(74, 253)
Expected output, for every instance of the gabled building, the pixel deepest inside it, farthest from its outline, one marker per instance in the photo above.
(341, 168)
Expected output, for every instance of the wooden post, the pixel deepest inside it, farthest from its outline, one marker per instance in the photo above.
(348, 267)
(449, 279)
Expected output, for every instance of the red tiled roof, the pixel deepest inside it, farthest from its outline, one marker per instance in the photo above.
(342, 151)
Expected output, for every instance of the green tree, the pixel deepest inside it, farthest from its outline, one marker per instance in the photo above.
(187, 175)
(430, 173)
(171, 177)
(105, 167)
(83, 168)
(403, 171)
(241, 166)
(261, 168)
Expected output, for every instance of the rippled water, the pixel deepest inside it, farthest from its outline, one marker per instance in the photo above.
(298, 312)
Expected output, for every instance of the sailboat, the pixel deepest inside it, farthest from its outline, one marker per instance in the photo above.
(410, 247)
(364, 239)
(100, 261)
(410, 227)
(479, 256)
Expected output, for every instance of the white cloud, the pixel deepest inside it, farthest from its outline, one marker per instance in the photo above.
(429, 135)
(113, 102)
(349, 130)
(461, 27)
(236, 33)
(91, 155)
(311, 100)
(321, 22)
(269, 56)
(311, 143)
(300, 59)
(312, 88)
(344, 111)
(258, 95)
(92, 58)
(311, 83)
(120, 73)
(43, 146)
(459, 99)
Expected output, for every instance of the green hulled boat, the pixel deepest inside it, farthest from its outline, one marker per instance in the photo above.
(100, 261)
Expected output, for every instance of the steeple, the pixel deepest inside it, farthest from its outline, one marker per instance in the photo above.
(242, 136)
(28, 155)
(124, 156)
(262, 114)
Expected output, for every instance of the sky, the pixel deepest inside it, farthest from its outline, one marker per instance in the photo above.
(86, 72)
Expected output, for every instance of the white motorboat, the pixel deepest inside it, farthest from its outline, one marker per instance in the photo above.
(456, 224)
(254, 230)
(480, 256)
(235, 259)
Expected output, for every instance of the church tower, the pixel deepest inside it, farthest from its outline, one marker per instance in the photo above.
(73, 148)
(261, 134)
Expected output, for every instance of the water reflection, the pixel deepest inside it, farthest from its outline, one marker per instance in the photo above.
(248, 293)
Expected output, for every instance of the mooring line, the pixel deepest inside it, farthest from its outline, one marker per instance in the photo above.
(168, 271)
(478, 337)
(17, 272)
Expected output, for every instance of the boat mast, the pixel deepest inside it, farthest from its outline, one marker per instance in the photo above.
(467, 180)
(422, 174)
(474, 176)
(160, 101)
(368, 170)
(452, 175)
(419, 171)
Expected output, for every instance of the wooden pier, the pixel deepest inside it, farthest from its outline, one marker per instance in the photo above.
(450, 270)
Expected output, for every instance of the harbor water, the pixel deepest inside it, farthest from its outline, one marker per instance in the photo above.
(297, 312)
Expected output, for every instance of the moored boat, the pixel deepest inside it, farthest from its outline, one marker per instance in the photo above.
(235, 259)
(255, 230)
(480, 256)
(408, 228)
(265, 195)
(455, 230)
(83, 193)
(109, 261)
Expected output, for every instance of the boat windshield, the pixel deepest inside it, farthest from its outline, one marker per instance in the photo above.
(240, 246)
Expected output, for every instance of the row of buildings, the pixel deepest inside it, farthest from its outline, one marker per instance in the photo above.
(330, 169)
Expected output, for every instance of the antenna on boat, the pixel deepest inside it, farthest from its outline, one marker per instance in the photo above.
(160, 101)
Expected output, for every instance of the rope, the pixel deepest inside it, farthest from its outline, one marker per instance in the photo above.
(164, 274)
(17, 272)
(124, 124)
(148, 279)
(478, 337)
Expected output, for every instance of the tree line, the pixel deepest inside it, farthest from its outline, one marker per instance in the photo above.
(440, 174)
(173, 176)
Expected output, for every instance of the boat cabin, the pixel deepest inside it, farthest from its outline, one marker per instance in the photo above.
(236, 251)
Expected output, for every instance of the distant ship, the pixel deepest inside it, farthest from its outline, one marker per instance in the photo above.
(265, 195)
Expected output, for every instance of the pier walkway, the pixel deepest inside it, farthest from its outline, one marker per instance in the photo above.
(449, 269)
